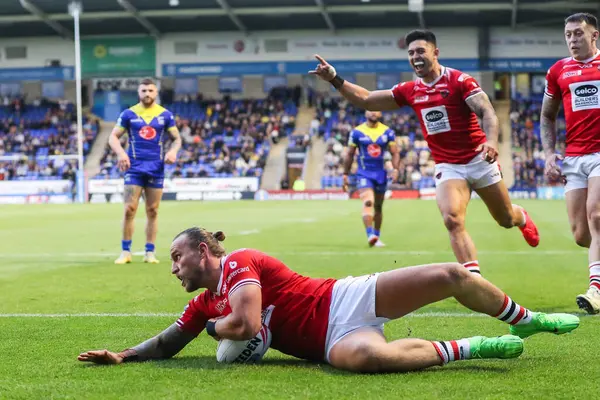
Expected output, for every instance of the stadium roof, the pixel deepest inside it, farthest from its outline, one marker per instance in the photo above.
(20, 18)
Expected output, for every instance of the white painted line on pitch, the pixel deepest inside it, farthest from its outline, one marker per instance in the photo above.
(90, 315)
(376, 252)
(250, 232)
(430, 314)
(373, 252)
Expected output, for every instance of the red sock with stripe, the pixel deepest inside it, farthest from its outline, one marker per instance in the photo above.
(453, 350)
(595, 275)
(472, 266)
(513, 314)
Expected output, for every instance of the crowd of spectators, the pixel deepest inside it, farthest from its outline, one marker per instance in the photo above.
(33, 135)
(527, 152)
(221, 138)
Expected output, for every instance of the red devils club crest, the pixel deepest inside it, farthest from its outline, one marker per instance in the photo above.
(239, 46)
(147, 132)
(374, 150)
(444, 93)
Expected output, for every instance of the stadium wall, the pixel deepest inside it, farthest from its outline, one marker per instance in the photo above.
(527, 43)
(298, 46)
(39, 51)
(354, 45)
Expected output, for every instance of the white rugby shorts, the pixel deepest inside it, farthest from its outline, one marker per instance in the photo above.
(478, 173)
(578, 169)
(352, 307)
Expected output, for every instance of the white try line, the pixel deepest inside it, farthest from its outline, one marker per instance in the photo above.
(376, 252)
(372, 252)
(430, 314)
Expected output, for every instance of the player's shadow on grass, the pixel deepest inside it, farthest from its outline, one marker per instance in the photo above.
(209, 362)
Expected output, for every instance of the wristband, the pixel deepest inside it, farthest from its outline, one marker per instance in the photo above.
(337, 82)
(211, 328)
(129, 355)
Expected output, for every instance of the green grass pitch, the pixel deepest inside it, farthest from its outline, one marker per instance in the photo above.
(56, 263)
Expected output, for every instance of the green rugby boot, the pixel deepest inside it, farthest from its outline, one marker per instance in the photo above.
(541, 322)
(506, 346)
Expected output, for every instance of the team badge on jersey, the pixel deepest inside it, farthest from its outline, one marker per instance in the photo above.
(148, 132)
(374, 150)
(444, 93)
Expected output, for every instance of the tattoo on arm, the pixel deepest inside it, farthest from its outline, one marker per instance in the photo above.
(482, 107)
(165, 345)
(548, 130)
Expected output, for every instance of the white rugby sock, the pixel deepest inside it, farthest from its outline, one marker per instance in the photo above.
(453, 350)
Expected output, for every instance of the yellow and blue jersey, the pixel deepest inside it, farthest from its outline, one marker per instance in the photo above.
(146, 127)
(371, 144)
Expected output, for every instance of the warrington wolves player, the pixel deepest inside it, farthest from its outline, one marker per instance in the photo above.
(143, 163)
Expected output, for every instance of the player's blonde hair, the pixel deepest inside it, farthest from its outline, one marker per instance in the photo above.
(197, 235)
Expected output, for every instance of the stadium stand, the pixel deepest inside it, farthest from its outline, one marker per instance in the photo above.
(34, 136)
(222, 138)
(335, 120)
(528, 154)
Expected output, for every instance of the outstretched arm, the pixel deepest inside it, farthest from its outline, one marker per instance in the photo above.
(377, 100)
(164, 345)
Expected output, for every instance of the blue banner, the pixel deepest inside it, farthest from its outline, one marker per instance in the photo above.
(38, 74)
(355, 66)
(302, 67)
(224, 69)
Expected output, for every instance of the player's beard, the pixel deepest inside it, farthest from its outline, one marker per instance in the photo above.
(374, 121)
(147, 101)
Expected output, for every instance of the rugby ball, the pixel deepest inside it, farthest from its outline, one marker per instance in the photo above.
(244, 351)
